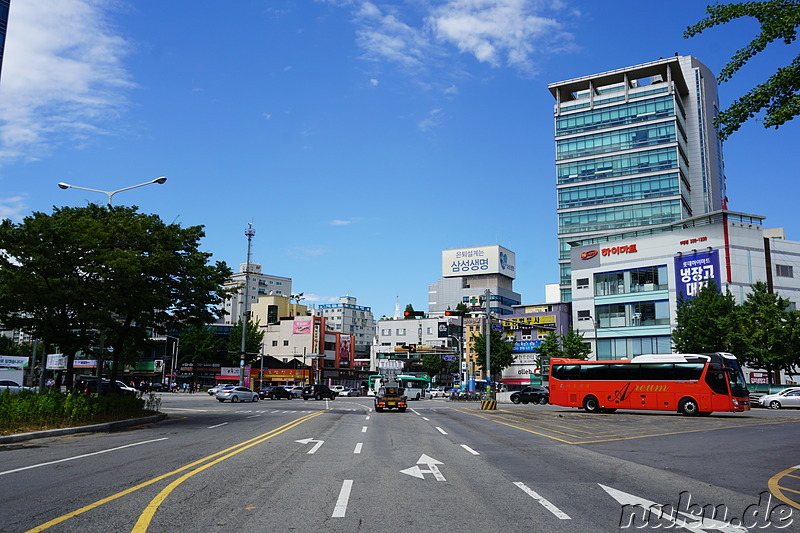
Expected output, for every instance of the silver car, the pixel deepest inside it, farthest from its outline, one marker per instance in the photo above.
(11, 386)
(786, 398)
(237, 394)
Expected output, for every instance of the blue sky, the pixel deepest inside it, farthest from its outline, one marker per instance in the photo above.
(359, 138)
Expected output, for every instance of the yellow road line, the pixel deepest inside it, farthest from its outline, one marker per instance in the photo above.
(125, 492)
(776, 489)
(594, 441)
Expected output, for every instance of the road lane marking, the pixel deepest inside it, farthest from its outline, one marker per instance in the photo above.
(150, 511)
(443, 432)
(546, 504)
(358, 447)
(367, 418)
(470, 450)
(344, 496)
(253, 416)
(417, 472)
(80, 456)
(218, 425)
(778, 491)
(426, 418)
(364, 429)
(313, 448)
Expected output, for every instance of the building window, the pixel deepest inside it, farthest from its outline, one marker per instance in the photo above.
(274, 343)
(584, 314)
(386, 332)
(582, 283)
(286, 343)
(401, 331)
(784, 271)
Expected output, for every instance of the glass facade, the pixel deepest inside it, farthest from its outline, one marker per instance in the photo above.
(622, 151)
(627, 347)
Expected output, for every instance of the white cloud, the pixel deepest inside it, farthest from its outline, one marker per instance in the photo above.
(374, 82)
(62, 75)
(12, 208)
(433, 120)
(451, 91)
(320, 299)
(497, 32)
(340, 222)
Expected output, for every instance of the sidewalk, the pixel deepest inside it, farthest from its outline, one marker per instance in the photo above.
(96, 428)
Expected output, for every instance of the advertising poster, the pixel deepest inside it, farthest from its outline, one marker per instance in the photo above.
(693, 272)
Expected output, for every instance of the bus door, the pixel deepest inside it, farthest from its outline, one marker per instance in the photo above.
(717, 381)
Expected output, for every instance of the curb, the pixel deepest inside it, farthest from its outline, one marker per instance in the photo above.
(96, 428)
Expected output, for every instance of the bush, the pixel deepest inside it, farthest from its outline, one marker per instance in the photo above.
(31, 411)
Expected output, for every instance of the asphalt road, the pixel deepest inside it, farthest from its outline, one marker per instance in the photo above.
(441, 466)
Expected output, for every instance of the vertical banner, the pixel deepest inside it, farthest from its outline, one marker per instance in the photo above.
(442, 330)
(693, 271)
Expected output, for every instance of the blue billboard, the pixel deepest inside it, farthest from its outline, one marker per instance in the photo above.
(693, 272)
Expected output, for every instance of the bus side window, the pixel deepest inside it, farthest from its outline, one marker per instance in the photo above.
(716, 380)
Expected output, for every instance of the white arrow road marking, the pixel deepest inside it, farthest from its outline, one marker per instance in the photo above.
(685, 520)
(344, 496)
(416, 471)
(313, 448)
(546, 504)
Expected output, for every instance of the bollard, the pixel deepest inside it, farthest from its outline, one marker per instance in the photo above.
(488, 405)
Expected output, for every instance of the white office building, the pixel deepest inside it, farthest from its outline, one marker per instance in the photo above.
(635, 147)
(348, 317)
(625, 286)
(259, 284)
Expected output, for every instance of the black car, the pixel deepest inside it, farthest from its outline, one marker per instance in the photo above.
(531, 395)
(274, 393)
(88, 385)
(318, 392)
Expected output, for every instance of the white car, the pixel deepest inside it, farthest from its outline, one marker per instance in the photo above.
(216, 388)
(338, 388)
(237, 394)
(786, 398)
(11, 386)
(128, 388)
(437, 392)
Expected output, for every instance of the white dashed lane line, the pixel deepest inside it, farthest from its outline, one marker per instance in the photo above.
(546, 504)
(344, 496)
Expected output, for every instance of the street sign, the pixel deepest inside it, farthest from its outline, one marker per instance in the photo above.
(450, 358)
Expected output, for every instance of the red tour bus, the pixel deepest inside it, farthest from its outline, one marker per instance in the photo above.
(692, 384)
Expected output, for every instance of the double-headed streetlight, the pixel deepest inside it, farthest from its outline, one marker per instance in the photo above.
(111, 194)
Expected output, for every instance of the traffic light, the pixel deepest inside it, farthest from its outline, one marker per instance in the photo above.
(454, 313)
(412, 314)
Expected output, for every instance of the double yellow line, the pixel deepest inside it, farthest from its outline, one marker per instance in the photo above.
(198, 466)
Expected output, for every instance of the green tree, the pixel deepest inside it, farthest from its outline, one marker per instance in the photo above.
(199, 344)
(763, 332)
(779, 96)
(551, 346)
(501, 352)
(434, 364)
(575, 347)
(254, 336)
(94, 276)
(703, 322)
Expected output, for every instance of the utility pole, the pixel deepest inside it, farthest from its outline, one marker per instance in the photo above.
(487, 293)
(250, 233)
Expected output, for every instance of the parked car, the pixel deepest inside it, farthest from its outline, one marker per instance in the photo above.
(532, 394)
(237, 394)
(123, 386)
(318, 392)
(786, 398)
(297, 391)
(350, 393)
(338, 388)
(159, 387)
(11, 386)
(275, 393)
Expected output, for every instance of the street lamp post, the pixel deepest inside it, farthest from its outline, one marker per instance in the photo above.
(460, 353)
(174, 359)
(111, 194)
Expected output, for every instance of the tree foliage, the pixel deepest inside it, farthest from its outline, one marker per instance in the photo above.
(571, 345)
(82, 277)
(501, 356)
(779, 96)
(254, 336)
(198, 344)
(703, 321)
(763, 331)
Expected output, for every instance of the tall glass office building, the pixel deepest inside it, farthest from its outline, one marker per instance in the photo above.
(636, 149)
(4, 5)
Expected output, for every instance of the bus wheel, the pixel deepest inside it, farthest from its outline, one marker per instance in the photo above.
(417, 398)
(689, 407)
(591, 405)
